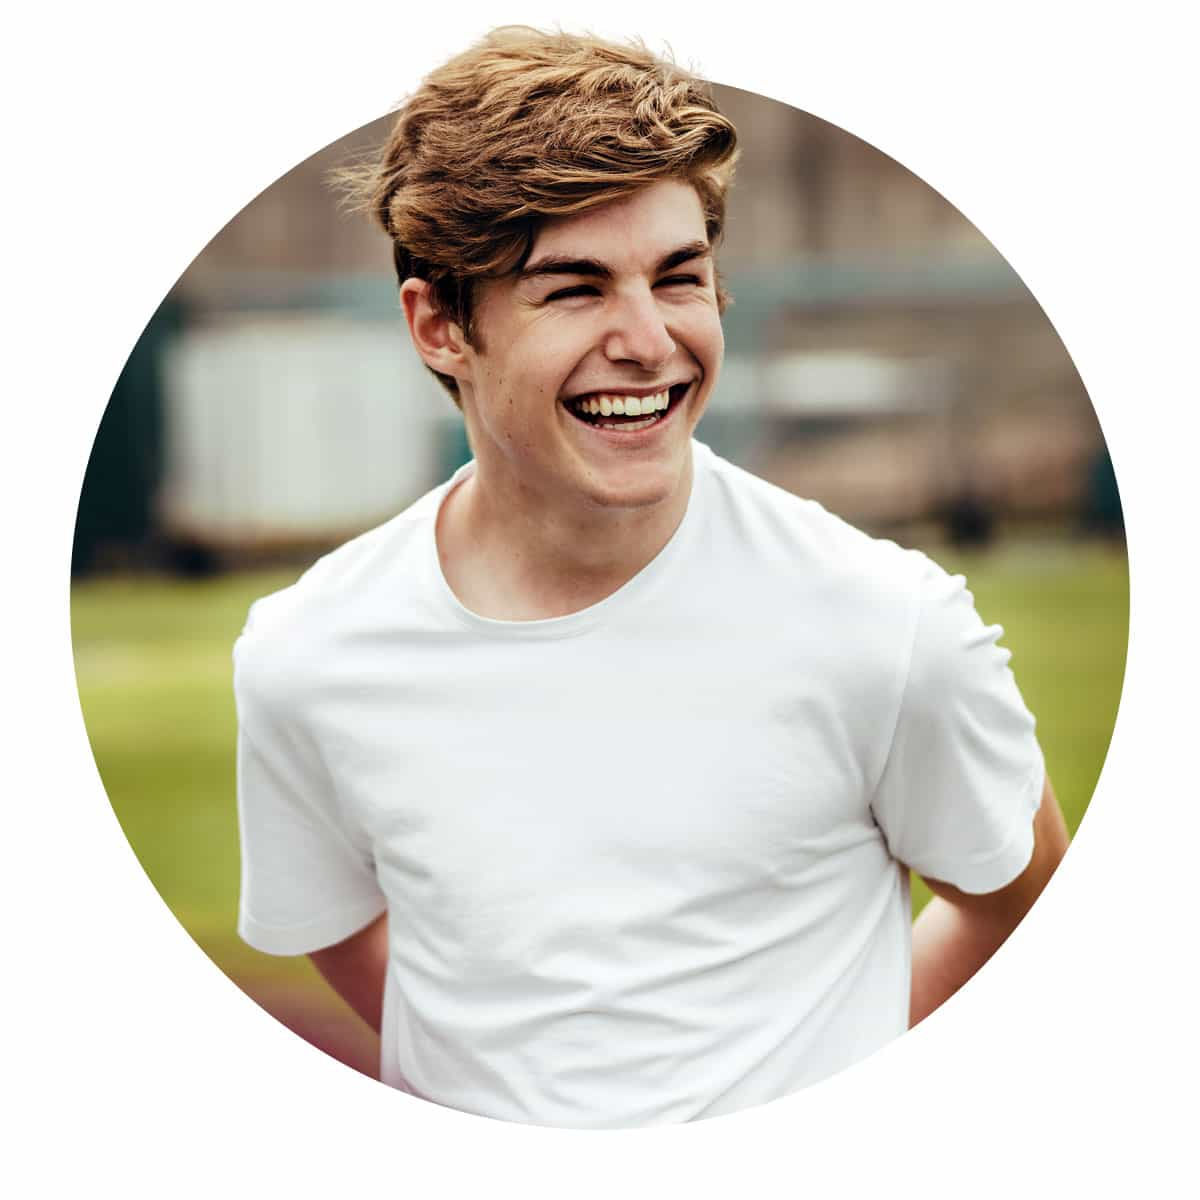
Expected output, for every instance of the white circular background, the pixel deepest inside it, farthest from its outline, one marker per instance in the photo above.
(134, 132)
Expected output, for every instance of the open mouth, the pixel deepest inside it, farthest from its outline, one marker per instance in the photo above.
(605, 410)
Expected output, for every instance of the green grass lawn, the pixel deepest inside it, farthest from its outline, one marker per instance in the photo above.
(153, 665)
(1065, 612)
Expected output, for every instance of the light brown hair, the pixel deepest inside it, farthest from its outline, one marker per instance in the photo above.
(525, 125)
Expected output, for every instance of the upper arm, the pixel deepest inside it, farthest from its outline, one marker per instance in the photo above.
(959, 788)
(307, 874)
(1007, 905)
(356, 968)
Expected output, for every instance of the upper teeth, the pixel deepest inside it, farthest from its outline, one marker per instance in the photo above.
(603, 404)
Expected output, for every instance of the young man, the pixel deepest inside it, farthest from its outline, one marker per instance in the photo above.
(593, 780)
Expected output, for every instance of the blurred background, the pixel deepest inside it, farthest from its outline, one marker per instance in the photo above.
(881, 358)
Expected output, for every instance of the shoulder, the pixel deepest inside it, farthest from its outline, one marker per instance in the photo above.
(949, 636)
(895, 619)
(798, 539)
(289, 636)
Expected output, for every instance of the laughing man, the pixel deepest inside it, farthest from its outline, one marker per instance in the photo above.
(593, 781)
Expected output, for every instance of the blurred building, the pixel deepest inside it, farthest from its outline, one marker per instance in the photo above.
(881, 358)
(910, 371)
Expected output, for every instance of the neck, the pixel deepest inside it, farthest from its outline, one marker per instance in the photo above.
(512, 553)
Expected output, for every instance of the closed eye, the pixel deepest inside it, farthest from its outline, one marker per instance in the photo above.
(588, 289)
(583, 289)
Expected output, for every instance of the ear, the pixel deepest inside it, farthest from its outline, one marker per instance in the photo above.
(438, 339)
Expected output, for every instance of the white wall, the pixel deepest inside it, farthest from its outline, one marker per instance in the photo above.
(285, 426)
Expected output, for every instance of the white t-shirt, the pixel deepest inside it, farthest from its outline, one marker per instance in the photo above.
(641, 862)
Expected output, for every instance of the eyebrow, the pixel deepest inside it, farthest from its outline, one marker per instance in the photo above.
(554, 264)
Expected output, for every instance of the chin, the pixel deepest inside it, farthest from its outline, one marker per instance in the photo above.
(635, 485)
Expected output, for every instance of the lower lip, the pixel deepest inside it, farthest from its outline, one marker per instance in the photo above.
(636, 437)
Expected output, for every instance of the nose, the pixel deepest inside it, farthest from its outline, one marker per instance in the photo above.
(638, 333)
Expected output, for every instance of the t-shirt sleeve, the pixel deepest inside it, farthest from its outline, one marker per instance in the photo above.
(964, 773)
(307, 875)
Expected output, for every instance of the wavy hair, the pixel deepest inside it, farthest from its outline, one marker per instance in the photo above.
(526, 125)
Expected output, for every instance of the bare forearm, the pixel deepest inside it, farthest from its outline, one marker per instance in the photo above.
(957, 933)
(356, 970)
(948, 947)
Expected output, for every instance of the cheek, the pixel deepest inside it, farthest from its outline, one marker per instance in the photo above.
(537, 377)
(524, 397)
(708, 339)
(718, 340)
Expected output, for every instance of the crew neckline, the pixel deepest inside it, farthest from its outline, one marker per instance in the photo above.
(575, 623)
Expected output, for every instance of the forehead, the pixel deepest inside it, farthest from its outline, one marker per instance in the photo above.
(647, 224)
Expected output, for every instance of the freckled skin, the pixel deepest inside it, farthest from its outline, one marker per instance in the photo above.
(560, 512)
(632, 331)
